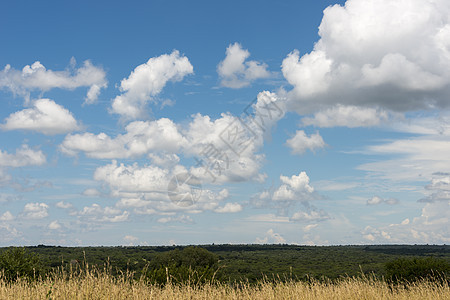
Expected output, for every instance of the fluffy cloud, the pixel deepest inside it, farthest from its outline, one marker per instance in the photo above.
(148, 80)
(146, 188)
(132, 178)
(430, 227)
(439, 188)
(437, 196)
(229, 208)
(6, 216)
(347, 116)
(393, 55)
(24, 156)
(235, 72)
(54, 225)
(45, 116)
(375, 200)
(293, 188)
(301, 142)
(292, 191)
(37, 77)
(63, 205)
(271, 237)
(141, 138)
(225, 149)
(35, 211)
(96, 213)
(164, 159)
(312, 216)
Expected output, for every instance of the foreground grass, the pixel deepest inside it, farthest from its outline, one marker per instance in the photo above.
(101, 285)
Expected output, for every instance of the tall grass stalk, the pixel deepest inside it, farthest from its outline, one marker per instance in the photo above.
(85, 282)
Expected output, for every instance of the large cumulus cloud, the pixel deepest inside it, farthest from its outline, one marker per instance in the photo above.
(393, 55)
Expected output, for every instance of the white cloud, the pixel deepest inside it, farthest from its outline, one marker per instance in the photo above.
(229, 208)
(7, 216)
(308, 74)
(96, 213)
(164, 159)
(141, 138)
(294, 188)
(91, 192)
(45, 116)
(267, 218)
(9, 233)
(312, 216)
(24, 156)
(54, 225)
(375, 200)
(393, 55)
(434, 123)
(130, 238)
(63, 205)
(417, 159)
(309, 227)
(271, 237)
(146, 188)
(37, 77)
(132, 178)
(330, 185)
(347, 116)
(179, 219)
(35, 211)
(439, 188)
(292, 191)
(235, 72)
(228, 143)
(437, 196)
(301, 142)
(430, 227)
(441, 182)
(148, 80)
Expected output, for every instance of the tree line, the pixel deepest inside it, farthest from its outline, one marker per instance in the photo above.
(231, 263)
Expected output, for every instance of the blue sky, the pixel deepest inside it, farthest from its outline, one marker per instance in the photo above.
(175, 122)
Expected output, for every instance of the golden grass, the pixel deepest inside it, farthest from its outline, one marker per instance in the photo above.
(101, 285)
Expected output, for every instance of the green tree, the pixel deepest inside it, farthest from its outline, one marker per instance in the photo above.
(414, 269)
(17, 262)
(193, 265)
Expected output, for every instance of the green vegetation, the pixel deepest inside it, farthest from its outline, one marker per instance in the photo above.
(414, 269)
(18, 263)
(232, 263)
(189, 265)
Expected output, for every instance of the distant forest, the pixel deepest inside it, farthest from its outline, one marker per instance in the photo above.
(247, 262)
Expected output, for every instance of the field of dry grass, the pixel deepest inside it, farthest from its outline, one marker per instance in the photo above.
(101, 285)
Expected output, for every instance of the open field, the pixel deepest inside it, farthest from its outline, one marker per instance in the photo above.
(94, 285)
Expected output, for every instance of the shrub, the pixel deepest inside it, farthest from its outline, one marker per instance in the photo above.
(17, 262)
(414, 269)
(192, 265)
